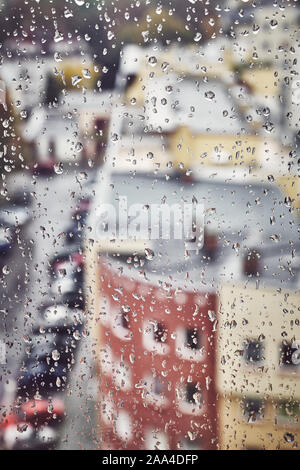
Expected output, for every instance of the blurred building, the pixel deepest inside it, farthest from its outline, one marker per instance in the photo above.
(35, 77)
(154, 305)
(178, 86)
(258, 366)
(91, 111)
(156, 356)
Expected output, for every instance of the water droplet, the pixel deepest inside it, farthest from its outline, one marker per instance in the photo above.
(68, 14)
(57, 57)
(76, 79)
(273, 24)
(58, 168)
(58, 37)
(55, 355)
(289, 437)
(76, 335)
(149, 254)
(274, 237)
(78, 147)
(211, 315)
(209, 95)
(132, 358)
(152, 60)
(198, 37)
(86, 73)
(5, 270)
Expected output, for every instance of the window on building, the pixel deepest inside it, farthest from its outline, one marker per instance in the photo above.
(193, 394)
(191, 444)
(251, 263)
(158, 386)
(287, 354)
(130, 80)
(253, 409)
(253, 352)
(124, 320)
(288, 412)
(210, 245)
(192, 338)
(160, 333)
(100, 125)
(156, 440)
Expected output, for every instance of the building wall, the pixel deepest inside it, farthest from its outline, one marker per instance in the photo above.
(236, 433)
(129, 362)
(194, 150)
(271, 316)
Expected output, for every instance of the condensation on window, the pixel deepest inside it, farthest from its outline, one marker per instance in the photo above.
(149, 225)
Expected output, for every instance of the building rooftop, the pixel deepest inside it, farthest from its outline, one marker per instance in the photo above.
(236, 226)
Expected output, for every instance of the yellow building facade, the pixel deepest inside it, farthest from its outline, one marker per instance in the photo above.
(258, 368)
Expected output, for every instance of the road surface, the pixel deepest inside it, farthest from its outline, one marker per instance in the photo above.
(24, 286)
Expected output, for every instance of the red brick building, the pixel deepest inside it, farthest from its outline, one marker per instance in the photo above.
(157, 364)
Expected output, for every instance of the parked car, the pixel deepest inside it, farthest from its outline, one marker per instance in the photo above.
(41, 412)
(59, 318)
(22, 436)
(41, 378)
(21, 197)
(15, 216)
(66, 255)
(69, 285)
(6, 238)
(75, 232)
(44, 167)
(18, 435)
(61, 340)
(51, 356)
(82, 206)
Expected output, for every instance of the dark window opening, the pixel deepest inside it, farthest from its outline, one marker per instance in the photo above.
(124, 321)
(160, 333)
(253, 408)
(52, 150)
(158, 386)
(193, 394)
(251, 266)
(129, 80)
(190, 444)
(192, 338)
(254, 351)
(289, 411)
(210, 245)
(100, 124)
(286, 357)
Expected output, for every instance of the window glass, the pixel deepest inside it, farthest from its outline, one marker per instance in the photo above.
(149, 225)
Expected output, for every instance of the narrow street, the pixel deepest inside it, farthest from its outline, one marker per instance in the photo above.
(25, 285)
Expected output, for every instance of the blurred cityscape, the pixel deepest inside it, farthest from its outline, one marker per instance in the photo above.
(119, 327)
